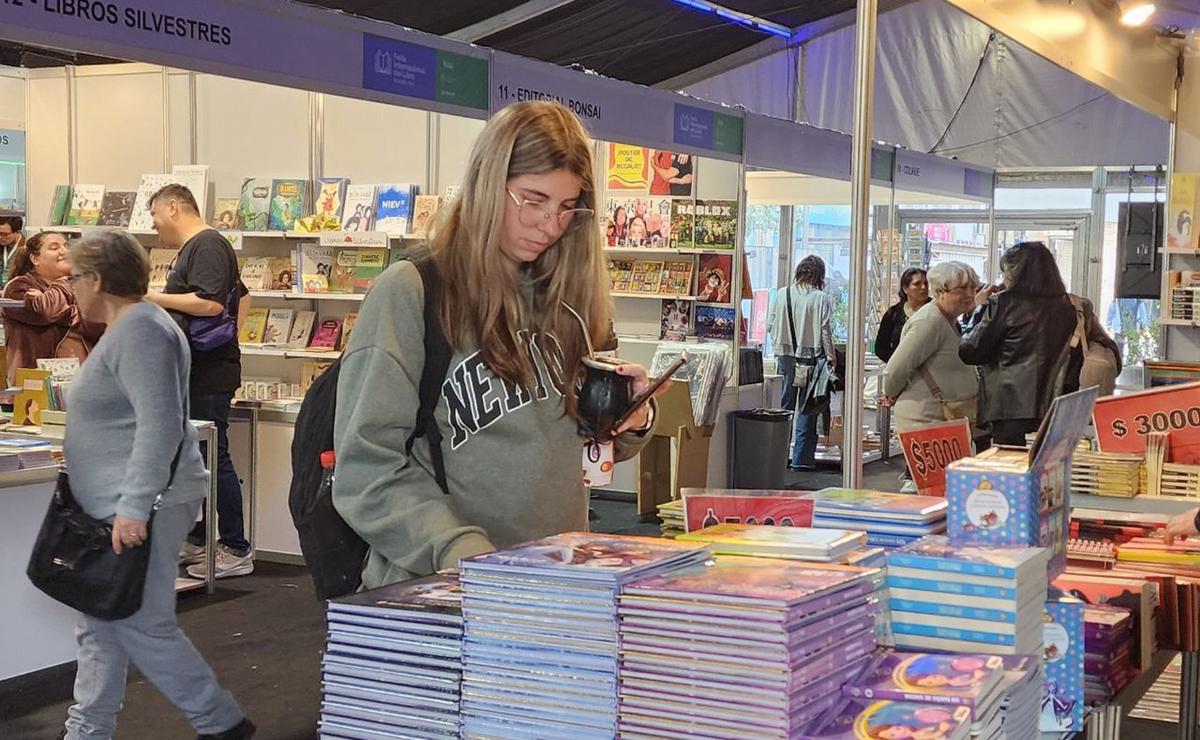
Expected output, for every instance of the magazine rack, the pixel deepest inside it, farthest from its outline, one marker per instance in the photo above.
(676, 455)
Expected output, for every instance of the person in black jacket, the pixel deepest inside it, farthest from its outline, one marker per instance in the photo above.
(1020, 338)
(914, 293)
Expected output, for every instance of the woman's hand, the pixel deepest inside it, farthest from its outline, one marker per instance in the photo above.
(1181, 526)
(885, 402)
(640, 419)
(33, 293)
(981, 298)
(128, 532)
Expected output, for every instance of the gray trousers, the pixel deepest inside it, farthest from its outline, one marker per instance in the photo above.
(152, 641)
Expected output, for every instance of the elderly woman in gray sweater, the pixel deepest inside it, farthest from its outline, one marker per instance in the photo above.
(128, 419)
(925, 370)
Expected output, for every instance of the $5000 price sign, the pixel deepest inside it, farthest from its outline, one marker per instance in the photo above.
(930, 449)
(1122, 422)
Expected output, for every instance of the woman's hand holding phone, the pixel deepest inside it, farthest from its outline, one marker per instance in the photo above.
(638, 418)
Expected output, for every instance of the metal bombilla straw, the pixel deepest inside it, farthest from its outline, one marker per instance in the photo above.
(587, 335)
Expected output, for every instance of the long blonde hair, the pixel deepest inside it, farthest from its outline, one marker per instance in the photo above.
(481, 296)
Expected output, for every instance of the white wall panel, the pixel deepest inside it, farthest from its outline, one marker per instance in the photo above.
(248, 129)
(46, 142)
(371, 142)
(180, 110)
(456, 137)
(717, 179)
(12, 98)
(120, 127)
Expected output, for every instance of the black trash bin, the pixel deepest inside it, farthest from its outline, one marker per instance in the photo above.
(758, 448)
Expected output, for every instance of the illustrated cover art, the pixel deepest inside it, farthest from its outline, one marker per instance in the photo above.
(647, 276)
(715, 322)
(763, 579)
(707, 507)
(254, 205)
(225, 215)
(369, 264)
(929, 678)
(116, 208)
(1063, 654)
(676, 320)
(327, 335)
(302, 328)
(161, 262)
(677, 277)
(393, 208)
(358, 211)
(1182, 229)
(671, 174)
(425, 210)
(33, 396)
(316, 268)
(638, 222)
(440, 594)
(287, 203)
(341, 278)
(683, 223)
(848, 502)
(348, 324)
(85, 204)
(739, 538)
(628, 167)
(614, 554)
(863, 719)
(935, 553)
(279, 325)
(253, 326)
(330, 197)
(60, 206)
(715, 278)
(716, 224)
(620, 275)
(254, 273)
(281, 273)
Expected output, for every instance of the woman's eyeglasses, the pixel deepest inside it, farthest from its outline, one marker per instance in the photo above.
(535, 214)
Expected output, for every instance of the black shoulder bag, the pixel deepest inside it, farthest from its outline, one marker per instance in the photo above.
(73, 560)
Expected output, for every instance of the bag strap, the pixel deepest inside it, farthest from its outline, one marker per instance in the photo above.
(931, 383)
(437, 363)
(792, 321)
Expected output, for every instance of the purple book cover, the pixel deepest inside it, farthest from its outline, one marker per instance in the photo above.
(930, 678)
(437, 594)
(613, 555)
(819, 665)
(853, 719)
(762, 579)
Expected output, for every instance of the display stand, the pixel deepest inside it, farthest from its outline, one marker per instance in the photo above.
(677, 455)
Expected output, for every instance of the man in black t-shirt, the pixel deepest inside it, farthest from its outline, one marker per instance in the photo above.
(205, 294)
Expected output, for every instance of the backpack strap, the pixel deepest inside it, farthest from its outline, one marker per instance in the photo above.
(437, 363)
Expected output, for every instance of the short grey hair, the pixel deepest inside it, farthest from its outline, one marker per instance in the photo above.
(948, 276)
(117, 259)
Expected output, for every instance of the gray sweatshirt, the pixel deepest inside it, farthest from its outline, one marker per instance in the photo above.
(126, 415)
(513, 460)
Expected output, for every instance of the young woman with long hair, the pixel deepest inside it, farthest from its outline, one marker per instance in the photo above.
(514, 250)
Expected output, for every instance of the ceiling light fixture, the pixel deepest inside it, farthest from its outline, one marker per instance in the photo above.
(1135, 12)
(745, 19)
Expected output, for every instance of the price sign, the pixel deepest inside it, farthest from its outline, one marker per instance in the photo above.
(1122, 422)
(930, 449)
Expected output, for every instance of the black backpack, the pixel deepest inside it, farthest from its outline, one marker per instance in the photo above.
(333, 551)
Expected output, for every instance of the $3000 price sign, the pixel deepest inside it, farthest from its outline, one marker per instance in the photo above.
(1122, 422)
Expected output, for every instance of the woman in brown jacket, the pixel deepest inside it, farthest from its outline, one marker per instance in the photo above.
(49, 324)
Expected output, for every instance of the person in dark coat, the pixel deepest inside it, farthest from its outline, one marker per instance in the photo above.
(914, 293)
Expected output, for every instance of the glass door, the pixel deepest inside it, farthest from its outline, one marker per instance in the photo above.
(1065, 233)
(928, 237)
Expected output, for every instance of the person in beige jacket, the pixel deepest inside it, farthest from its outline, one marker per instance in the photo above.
(926, 362)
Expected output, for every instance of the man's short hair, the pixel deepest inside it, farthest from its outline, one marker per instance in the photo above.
(16, 223)
(178, 193)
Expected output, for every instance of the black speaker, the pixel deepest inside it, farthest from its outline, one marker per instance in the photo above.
(1139, 236)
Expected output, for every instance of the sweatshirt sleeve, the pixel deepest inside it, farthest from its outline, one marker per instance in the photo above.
(149, 375)
(54, 305)
(385, 495)
(918, 342)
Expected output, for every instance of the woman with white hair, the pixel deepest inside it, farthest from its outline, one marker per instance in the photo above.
(926, 382)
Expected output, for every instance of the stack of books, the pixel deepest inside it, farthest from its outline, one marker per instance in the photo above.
(1021, 690)
(670, 515)
(876, 558)
(743, 647)
(819, 545)
(393, 662)
(1107, 474)
(540, 635)
(972, 681)
(852, 719)
(1108, 657)
(967, 599)
(889, 519)
(19, 454)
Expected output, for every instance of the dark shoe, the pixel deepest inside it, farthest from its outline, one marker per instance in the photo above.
(802, 468)
(242, 731)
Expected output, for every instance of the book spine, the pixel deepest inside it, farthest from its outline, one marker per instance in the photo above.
(950, 633)
(949, 610)
(880, 539)
(944, 565)
(884, 694)
(953, 587)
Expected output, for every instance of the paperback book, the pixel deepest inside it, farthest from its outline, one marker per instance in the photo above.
(620, 275)
(278, 326)
(116, 208)
(254, 205)
(683, 223)
(358, 212)
(287, 203)
(715, 322)
(677, 277)
(329, 198)
(676, 320)
(327, 335)
(347, 329)
(60, 206)
(716, 224)
(302, 329)
(85, 205)
(715, 281)
(225, 215)
(425, 209)
(928, 678)
(393, 208)
(316, 268)
(253, 326)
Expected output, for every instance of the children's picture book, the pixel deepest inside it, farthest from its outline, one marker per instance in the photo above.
(929, 678)
(254, 204)
(225, 215)
(671, 174)
(85, 205)
(854, 719)
(796, 542)
(316, 268)
(647, 276)
(60, 206)
(310, 371)
(628, 167)
(347, 329)
(436, 595)
(588, 556)
(254, 273)
(676, 320)
(278, 327)
(714, 283)
(369, 264)
(139, 219)
(935, 554)
(638, 222)
(1063, 657)
(620, 274)
(677, 277)
(715, 322)
(425, 209)
(854, 503)
(33, 396)
(161, 262)
(329, 197)
(683, 223)
(716, 224)
(62, 369)
(327, 335)
(116, 208)
(341, 278)
(1182, 229)
(287, 203)
(761, 580)
(393, 208)
(254, 326)
(302, 329)
(358, 211)
(281, 273)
